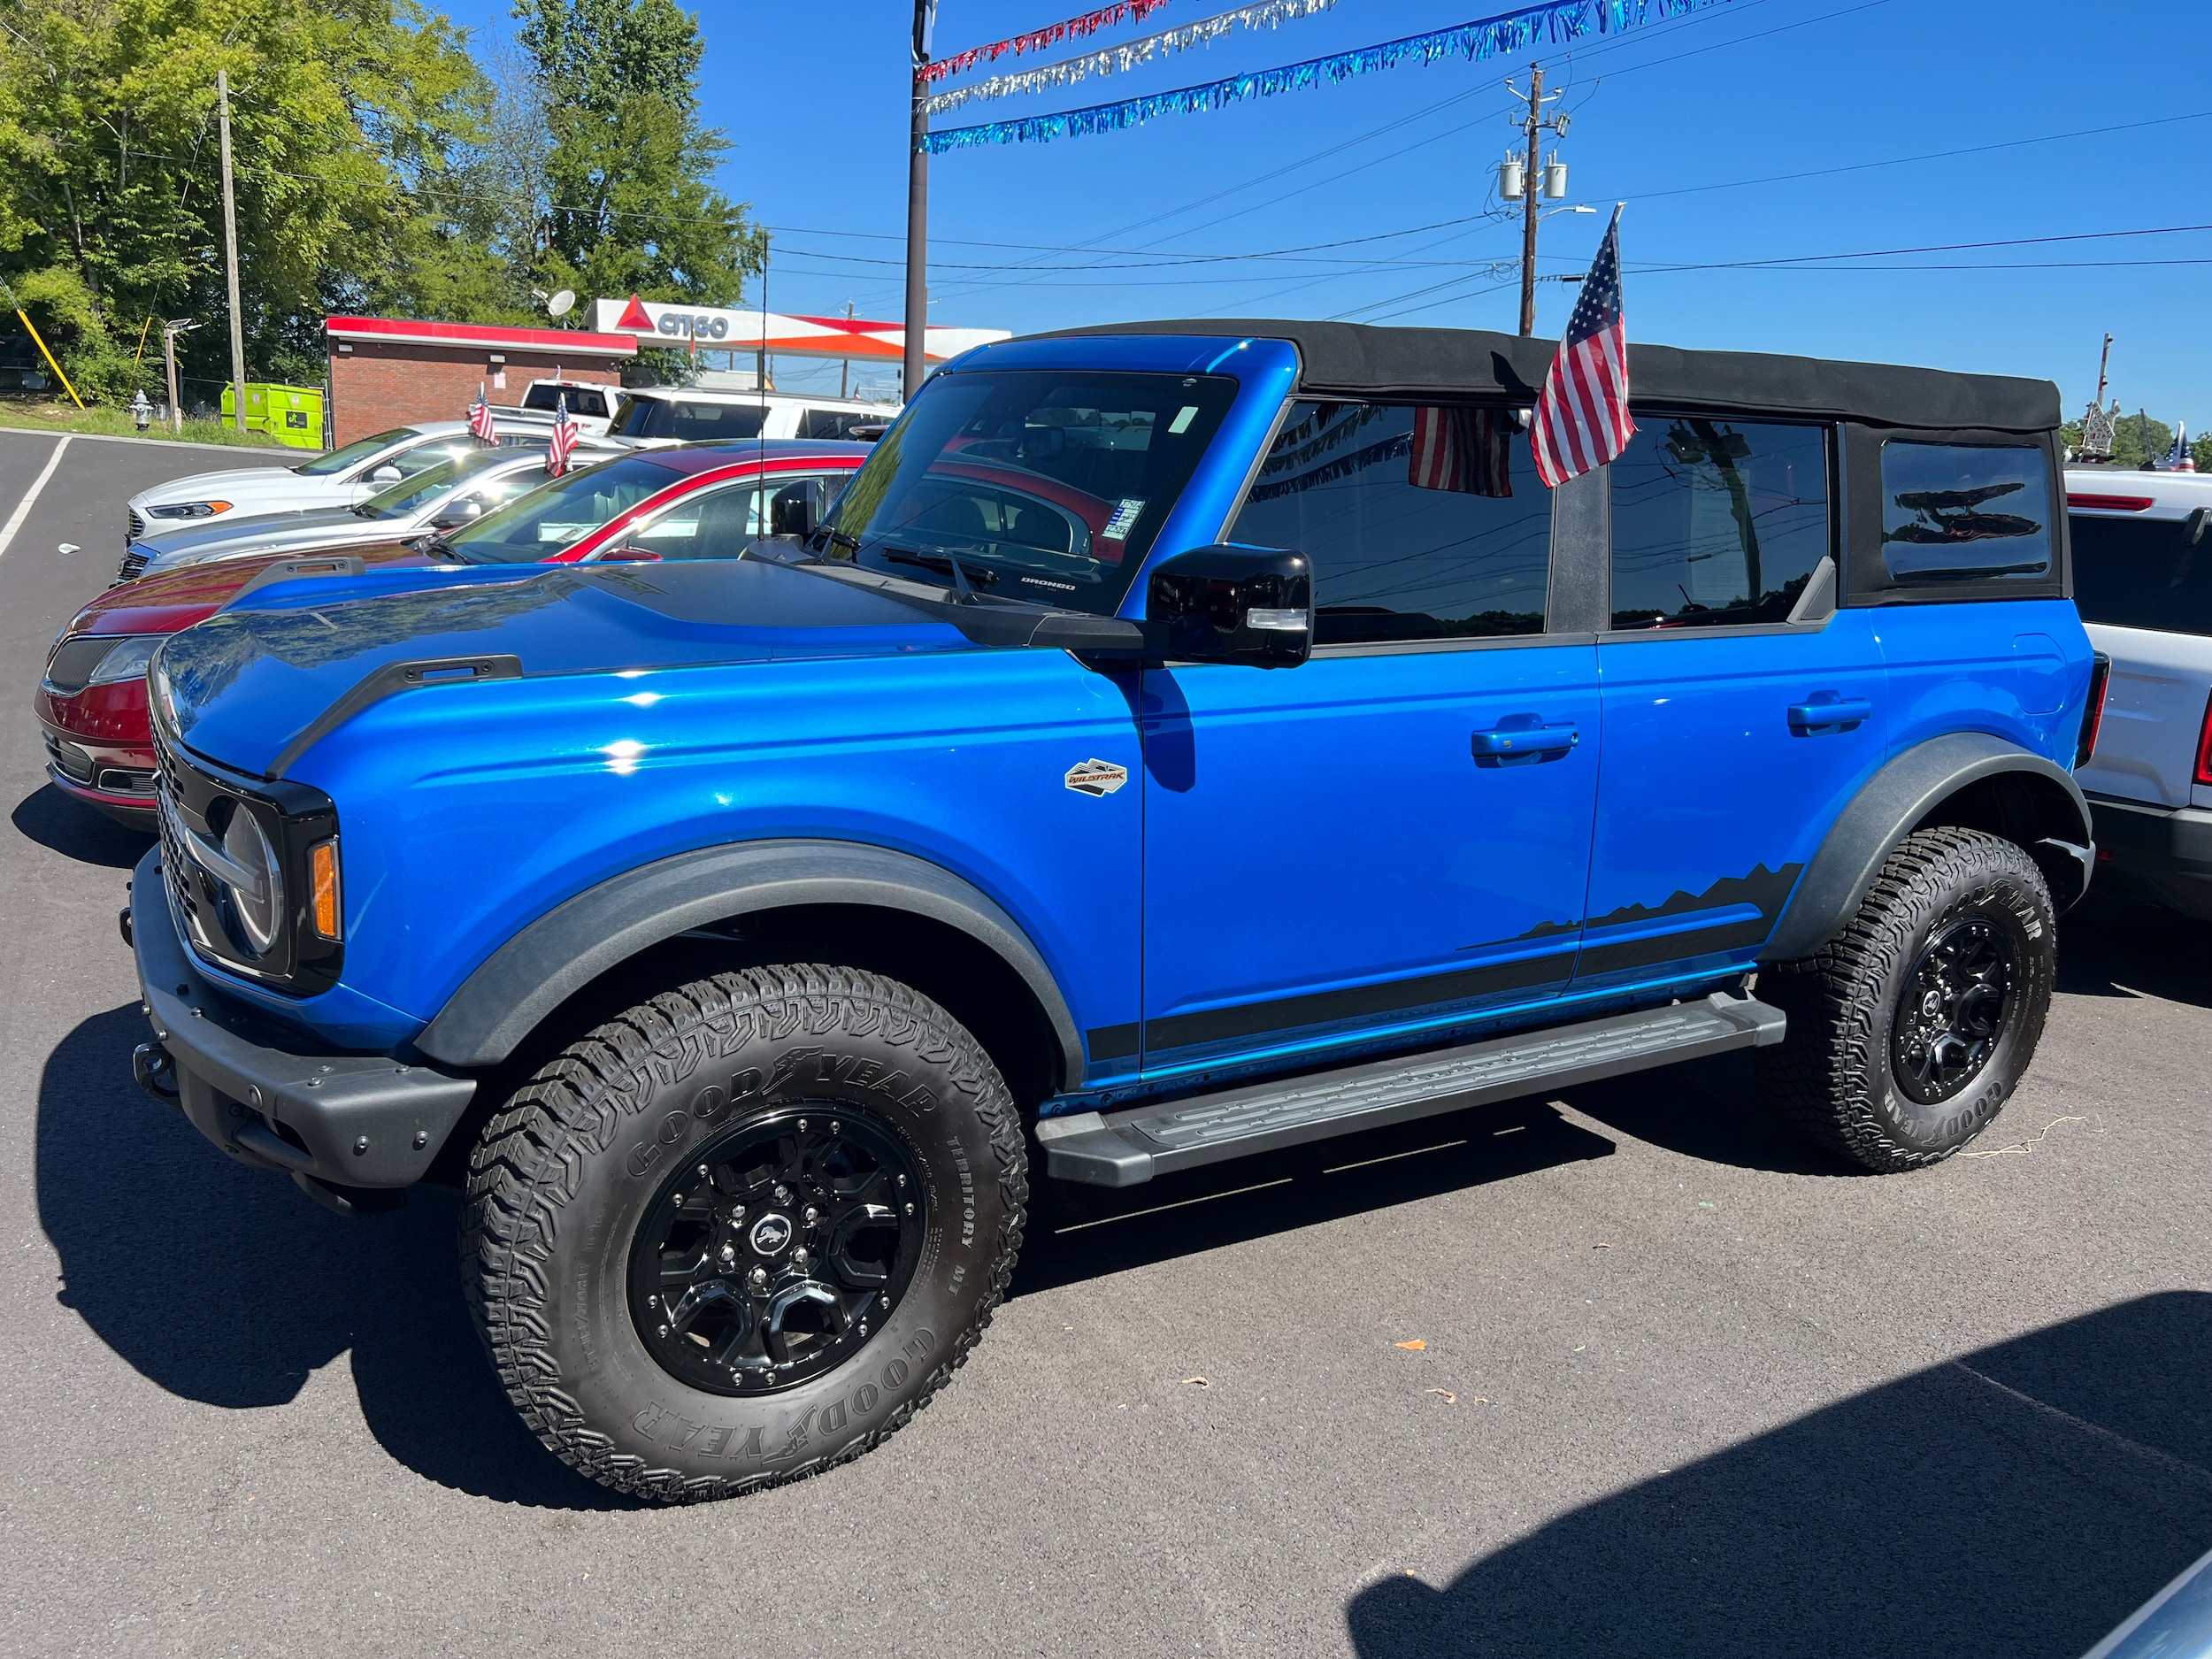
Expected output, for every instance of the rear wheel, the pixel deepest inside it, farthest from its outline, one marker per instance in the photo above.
(1910, 1029)
(745, 1229)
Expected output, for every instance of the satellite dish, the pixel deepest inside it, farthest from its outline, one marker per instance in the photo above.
(561, 303)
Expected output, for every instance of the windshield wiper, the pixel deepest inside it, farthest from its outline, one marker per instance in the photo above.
(938, 562)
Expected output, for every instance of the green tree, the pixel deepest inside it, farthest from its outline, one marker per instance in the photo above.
(355, 126)
(627, 165)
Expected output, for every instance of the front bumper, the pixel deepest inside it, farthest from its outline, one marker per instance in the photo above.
(269, 1095)
(2165, 853)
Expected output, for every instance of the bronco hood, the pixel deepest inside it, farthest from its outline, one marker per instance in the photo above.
(241, 687)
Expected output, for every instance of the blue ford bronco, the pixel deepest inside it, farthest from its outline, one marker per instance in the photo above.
(1177, 743)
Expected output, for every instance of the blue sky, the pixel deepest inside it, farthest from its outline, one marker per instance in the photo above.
(1678, 118)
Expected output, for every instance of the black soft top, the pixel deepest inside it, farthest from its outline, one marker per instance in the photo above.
(1358, 360)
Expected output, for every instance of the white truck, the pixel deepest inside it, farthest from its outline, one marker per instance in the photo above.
(2143, 582)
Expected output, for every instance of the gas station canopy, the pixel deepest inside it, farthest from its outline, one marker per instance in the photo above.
(778, 333)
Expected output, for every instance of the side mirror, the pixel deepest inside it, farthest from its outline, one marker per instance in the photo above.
(1234, 605)
(792, 515)
(454, 517)
(385, 474)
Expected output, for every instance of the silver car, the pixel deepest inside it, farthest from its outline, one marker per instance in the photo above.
(454, 492)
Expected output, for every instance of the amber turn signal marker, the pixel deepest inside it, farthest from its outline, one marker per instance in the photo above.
(323, 870)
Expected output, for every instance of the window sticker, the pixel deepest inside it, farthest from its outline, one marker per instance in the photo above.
(1183, 418)
(1125, 519)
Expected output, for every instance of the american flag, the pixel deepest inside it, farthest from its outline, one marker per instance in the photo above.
(1468, 450)
(564, 430)
(1582, 417)
(481, 424)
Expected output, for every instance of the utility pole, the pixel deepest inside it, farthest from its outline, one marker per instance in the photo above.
(845, 369)
(169, 332)
(918, 206)
(1519, 179)
(230, 260)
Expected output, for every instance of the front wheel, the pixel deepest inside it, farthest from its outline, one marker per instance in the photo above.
(1912, 1026)
(742, 1232)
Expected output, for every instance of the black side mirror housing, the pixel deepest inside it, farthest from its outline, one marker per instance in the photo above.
(1233, 604)
(792, 515)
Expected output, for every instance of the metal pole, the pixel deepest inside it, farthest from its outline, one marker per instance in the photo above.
(918, 209)
(230, 257)
(1529, 192)
(169, 361)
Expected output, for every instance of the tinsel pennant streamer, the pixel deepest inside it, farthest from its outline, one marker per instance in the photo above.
(1557, 21)
(1037, 39)
(1121, 59)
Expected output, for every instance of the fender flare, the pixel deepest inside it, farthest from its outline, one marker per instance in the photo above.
(564, 949)
(1893, 801)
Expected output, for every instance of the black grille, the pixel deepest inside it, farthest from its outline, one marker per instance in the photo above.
(138, 526)
(69, 758)
(131, 569)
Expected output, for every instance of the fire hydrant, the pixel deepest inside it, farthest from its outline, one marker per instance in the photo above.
(141, 412)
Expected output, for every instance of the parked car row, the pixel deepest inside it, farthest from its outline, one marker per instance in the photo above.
(1168, 744)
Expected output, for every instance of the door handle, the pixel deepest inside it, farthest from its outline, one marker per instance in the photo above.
(1829, 715)
(1507, 740)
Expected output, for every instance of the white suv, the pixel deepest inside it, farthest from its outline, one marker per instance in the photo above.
(652, 415)
(2143, 580)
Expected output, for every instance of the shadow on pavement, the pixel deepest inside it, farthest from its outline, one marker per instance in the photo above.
(2113, 945)
(1077, 1232)
(2017, 1502)
(1711, 1109)
(76, 831)
(228, 1286)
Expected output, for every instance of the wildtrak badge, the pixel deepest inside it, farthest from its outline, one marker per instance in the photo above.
(1096, 777)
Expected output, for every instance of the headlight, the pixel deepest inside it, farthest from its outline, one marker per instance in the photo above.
(95, 659)
(255, 884)
(188, 510)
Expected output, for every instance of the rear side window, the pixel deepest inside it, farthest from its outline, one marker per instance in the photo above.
(1716, 523)
(2143, 573)
(1423, 522)
(721, 523)
(582, 400)
(694, 422)
(1959, 513)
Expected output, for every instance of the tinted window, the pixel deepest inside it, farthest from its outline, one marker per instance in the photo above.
(582, 400)
(1716, 523)
(2142, 573)
(1423, 523)
(720, 524)
(671, 417)
(1956, 512)
(1046, 485)
(541, 523)
(840, 423)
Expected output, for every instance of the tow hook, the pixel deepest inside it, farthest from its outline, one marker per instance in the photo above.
(156, 1072)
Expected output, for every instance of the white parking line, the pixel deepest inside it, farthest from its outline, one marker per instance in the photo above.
(30, 496)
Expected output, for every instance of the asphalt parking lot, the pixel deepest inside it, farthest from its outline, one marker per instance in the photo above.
(1620, 1372)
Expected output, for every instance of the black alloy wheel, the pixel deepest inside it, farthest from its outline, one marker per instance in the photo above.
(764, 1263)
(1952, 1009)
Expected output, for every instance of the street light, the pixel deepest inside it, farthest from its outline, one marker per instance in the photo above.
(170, 330)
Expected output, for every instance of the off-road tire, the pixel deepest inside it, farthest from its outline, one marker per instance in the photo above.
(1833, 1075)
(562, 1176)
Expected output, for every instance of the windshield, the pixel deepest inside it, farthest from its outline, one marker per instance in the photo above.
(542, 523)
(1046, 485)
(359, 450)
(410, 496)
(690, 419)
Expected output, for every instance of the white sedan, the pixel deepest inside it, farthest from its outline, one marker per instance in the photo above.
(338, 480)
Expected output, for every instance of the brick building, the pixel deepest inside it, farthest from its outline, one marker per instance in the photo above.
(389, 372)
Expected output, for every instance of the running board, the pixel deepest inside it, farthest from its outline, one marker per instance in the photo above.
(1123, 1148)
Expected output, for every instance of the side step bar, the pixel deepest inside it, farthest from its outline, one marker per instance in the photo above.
(1123, 1148)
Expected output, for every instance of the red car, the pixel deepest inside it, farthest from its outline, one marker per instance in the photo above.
(708, 502)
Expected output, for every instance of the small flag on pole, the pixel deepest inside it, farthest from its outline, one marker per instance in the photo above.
(564, 430)
(1582, 417)
(481, 424)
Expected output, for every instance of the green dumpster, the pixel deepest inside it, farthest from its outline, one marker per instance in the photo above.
(290, 414)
